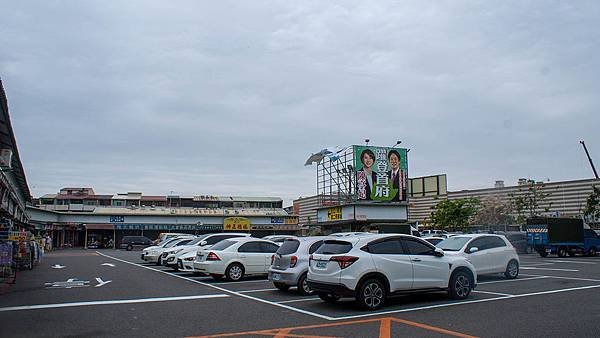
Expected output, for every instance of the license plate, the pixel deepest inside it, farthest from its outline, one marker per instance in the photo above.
(548, 250)
(321, 265)
(276, 276)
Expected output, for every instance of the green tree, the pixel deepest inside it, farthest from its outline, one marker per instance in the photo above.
(527, 202)
(493, 211)
(454, 215)
(592, 206)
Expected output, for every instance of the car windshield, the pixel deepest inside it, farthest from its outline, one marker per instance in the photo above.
(453, 243)
(197, 240)
(172, 243)
(334, 248)
(222, 245)
(288, 247)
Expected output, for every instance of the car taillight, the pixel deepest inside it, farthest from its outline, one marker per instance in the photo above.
(344, 261)
(272, 259)
(212, 257)
(293, 261)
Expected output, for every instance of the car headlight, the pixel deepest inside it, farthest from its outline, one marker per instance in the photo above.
(189, 259)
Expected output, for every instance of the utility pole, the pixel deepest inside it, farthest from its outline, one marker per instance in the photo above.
(589, 158)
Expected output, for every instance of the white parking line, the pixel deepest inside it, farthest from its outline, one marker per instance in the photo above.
(318, 315)
(259, 290)
(214, 286)
(493, 293)
(108, 302)
(467, 302)
(574, 262)
(512, 280)
(549, 269)
(298, 300)
(244, 281)
(536, 264)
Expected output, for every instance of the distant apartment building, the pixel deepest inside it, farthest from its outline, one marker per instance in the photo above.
(564, 198)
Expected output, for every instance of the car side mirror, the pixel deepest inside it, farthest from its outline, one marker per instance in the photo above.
(473, 249)
(438, 252)
(203, 243)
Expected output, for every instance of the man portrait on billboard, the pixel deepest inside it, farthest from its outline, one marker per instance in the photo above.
(396, 175)
(366, 177)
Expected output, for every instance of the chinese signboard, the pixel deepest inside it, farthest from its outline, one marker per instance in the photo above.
(334, 214)
(117, 219)
(236, 223)
(381, 173)
(284, 220)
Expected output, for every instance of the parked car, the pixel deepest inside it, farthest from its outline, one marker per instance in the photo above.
(278, 239)
(518, 239)
(131, 242)
(185, 261)
(169, 256)
(348, 234)
(437, 233)
(289, 265)
(490, 254)
(434, 240)
(154, 255)
(163, 236)
(236, 257)
(370, 268)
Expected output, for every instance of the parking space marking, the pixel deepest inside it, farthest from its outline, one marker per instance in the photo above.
(310, 313)
(245, 281)
(330, 318)
(469, 302)
(492, 293)
(259, 290)
(512, 280)
(109, 302)
(549, 269)
(574, 262)
(298, 300)
(536, 264)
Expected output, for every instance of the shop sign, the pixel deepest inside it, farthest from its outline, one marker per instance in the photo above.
(291, 220)
(276, 220)
(117, 219)
(334, 214)
(236, 223)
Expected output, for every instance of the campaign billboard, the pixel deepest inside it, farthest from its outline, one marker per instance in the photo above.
(381, 173)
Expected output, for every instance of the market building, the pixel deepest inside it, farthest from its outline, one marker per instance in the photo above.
(78, 216)
(14, 191)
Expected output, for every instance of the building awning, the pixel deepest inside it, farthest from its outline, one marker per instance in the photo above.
(99, 226)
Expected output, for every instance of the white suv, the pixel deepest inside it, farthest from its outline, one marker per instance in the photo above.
(370, 268)
(489, 254)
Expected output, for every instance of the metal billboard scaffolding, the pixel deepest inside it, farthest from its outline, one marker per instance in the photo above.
(336, 179)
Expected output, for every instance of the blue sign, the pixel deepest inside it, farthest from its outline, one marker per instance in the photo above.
(276, 220)
(117, 219)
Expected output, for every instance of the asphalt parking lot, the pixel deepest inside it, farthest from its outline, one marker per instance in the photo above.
(124, 296)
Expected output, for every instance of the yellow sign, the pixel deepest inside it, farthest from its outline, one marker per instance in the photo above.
(290, 220)
(334, 214)
(236, 223)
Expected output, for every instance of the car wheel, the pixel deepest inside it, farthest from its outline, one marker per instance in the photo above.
(543, 254)
(592, 252)
(234, 272)
(371, 294)
(159, 261)
(460, 285)
(282, 286)
(512, 269)
(129, 247)
(303, 287)
(328, 297)
(562, 252)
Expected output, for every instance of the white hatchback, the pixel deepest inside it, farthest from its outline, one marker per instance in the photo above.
(236, 257)
(490, 254)
(369, 268)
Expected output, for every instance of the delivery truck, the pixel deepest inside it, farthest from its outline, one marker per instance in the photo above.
(561, 237)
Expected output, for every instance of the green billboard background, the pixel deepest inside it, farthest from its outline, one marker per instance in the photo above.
(378, 186)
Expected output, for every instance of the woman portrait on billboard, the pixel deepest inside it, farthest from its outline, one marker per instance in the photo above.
(365, 177)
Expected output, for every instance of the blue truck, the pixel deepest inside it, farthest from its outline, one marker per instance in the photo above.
(561, 236)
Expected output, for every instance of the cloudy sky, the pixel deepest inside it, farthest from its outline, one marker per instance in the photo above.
(231, 97)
